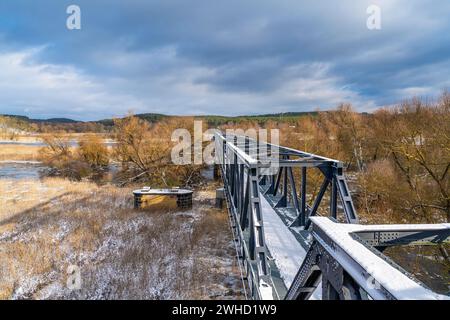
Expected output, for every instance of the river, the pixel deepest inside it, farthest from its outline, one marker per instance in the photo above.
(17, 170)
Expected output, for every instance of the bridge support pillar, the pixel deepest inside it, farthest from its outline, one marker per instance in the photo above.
(216, 172)
(220, 197)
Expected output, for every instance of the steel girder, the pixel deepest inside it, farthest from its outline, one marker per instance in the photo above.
(241, 180)
(284, 186)
(242, 161)
(341, 258)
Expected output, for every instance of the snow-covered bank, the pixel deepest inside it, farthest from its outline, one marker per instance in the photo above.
(120, 253)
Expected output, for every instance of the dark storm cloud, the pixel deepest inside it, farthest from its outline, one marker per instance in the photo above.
(225, 57)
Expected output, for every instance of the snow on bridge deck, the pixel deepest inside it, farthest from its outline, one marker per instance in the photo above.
(283, 246)
(287, 252)
(402, 287)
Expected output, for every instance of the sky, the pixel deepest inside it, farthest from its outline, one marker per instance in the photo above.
(233, 57)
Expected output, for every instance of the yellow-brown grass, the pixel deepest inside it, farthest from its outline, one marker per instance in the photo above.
(19, 153)
(25, 138)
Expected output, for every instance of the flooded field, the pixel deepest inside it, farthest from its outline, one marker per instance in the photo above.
(52, 211)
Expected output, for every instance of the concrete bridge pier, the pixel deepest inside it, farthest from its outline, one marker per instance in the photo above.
(216, 172)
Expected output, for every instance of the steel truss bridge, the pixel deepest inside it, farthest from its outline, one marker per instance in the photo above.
(287, 250)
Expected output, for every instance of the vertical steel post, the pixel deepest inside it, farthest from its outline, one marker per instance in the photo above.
(333, 198)
(303, 198)
(294, 191)
(259, 252)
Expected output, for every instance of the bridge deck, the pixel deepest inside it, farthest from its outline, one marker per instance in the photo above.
(284, 247)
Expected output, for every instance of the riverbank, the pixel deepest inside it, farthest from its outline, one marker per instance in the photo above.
(9, 152)
(47, 226)
(26, 148)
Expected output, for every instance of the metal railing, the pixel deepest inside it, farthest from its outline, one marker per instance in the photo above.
(248, 184)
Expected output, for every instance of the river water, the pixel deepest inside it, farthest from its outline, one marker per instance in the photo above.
(28, 169)
(17, 170)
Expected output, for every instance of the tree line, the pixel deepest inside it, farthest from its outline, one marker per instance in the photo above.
(398, 158)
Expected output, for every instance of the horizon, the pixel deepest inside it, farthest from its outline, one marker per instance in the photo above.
(228, 59)
(280, 114)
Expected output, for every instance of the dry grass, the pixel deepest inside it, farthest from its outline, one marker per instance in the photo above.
(19, 152)
(25, 138)
(122, 253)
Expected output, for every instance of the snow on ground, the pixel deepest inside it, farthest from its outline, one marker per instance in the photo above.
(121, 253)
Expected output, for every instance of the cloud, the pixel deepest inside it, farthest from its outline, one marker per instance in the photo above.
(48, 90)
(233, 57)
